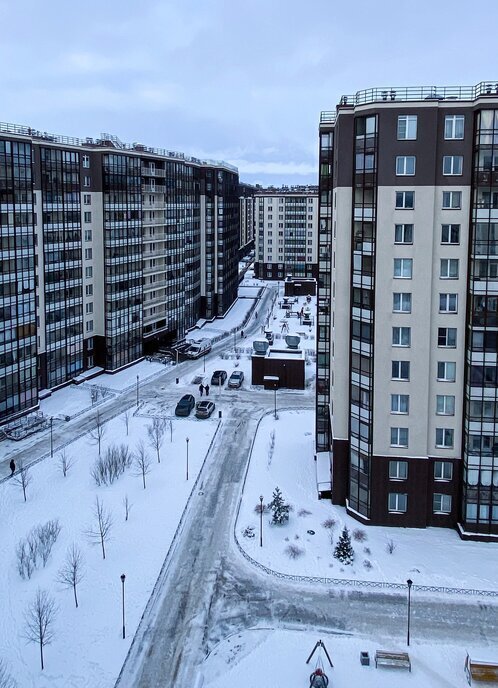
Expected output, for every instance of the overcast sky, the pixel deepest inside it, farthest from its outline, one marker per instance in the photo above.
(240, 81)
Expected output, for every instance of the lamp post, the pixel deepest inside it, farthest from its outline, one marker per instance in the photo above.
(275, 401)
(138, 389)
(123, 578)
(187, 440)
(204, 361)
(261, 520)
(409, 584)
(51, 437)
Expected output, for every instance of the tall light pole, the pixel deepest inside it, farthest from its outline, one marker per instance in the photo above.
(409, 584)
(123, 578)
(204, 361)
(187, 440)
(261, 520)
(138, 389)
(51, 437)
(275, 400)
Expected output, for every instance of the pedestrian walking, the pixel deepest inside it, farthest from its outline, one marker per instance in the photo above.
(241, 334)
(12, 467)
(201, 388)
(207, 390)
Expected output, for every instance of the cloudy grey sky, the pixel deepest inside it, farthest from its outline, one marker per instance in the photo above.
(240, 81)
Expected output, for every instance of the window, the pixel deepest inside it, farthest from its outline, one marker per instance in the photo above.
(450, 234)
(448, 268)
(402, 303)
(89, 326)
(443, 470)
(87, 199)
(452, 164)
(89, 290)
(88, 216)
(454, 126)
(446, 371)
(398, 470)
(444, 438)
(401, 336)
(442, 503)
(400, 370)
(403, 268)
(400, 403)
(446, 336)
(405, 199)
(86, 181)
(88, 254)
(405, 165)
(89, 271)
(399, 437)
(448, 303)
(407, 127)
(403, 234)
(89, 307)
(88, 234)
(397, 502)
(86, 161)
(445, 405)
(452, 200)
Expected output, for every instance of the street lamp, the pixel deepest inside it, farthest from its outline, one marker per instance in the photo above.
(51, 437)
(275, 400)
(409, 584)
(138, 383)
(204, 361)
(261, 520)
(187, 440)
(123, 578)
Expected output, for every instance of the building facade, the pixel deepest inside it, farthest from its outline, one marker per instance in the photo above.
(246, 218)
(108, 250)
(286, 232)
(407, 372)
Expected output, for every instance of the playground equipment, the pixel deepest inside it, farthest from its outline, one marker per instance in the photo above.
(319, 679)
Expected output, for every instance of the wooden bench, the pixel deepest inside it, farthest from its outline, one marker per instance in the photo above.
(486, 672)
(399, 660)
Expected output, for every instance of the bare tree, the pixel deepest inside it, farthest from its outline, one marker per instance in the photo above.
(105, 392)
(127, 506)
(170, 423)
(155, 432)
(71, 573)
(39, 618)
(100, 532)
(94, 394)
(98, 431)
(142, 461)
(6, 680)
(65, 462)
(126, 420)
(23, 478)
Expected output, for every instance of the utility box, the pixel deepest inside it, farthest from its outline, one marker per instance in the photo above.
(364, 659)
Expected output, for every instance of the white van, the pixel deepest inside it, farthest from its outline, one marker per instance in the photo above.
(198, 348)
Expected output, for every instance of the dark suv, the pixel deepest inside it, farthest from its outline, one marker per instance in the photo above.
(185, 405)
(219, 377)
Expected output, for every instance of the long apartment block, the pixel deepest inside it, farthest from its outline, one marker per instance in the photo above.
(407, 372)
(286, 232)
(108, 250)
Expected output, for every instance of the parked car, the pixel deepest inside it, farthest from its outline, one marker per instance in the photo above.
(204, 409)
(185, 405)
(236, 379)
(219, 377)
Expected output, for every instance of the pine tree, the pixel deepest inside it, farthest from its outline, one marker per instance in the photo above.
(279, 509)
(344, 550)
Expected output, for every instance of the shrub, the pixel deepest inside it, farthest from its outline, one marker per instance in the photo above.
(367, 564)
(366, 550)
(329, 523)
(294, 552)
(390, 546)
(112, 465)
(304, 512)
(359, 535)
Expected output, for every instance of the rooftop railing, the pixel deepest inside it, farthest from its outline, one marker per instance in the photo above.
(108, 141)
(413, 93)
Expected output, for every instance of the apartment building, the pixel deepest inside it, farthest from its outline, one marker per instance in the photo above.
(107, 251)
(407, 374)
(286, 232)
(246, 218)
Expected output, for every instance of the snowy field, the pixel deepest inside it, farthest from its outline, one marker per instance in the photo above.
(88, 648)
(432, 556)
(264, 657)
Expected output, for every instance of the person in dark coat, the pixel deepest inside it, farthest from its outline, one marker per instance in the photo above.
(12, 467)
(201, 388)
(207, 390)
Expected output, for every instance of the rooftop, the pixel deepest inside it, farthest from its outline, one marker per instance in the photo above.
(107, 141)
(412, 93)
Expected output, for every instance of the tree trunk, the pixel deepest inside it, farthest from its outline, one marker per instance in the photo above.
(103, 547)
(75, 597)
(41, 654)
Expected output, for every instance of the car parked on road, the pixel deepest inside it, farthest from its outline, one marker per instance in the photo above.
(204, 409)
(219, 377)
(236, 379)
(185, 405)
